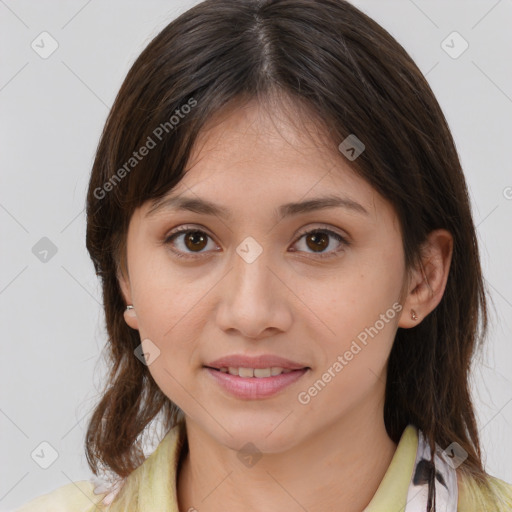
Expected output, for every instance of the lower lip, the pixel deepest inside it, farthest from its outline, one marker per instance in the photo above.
(254, 388)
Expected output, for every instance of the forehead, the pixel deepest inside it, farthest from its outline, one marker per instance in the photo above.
(266, 137)
(253, 146)
(251, 158)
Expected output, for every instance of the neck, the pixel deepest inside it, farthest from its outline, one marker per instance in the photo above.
(342, 464)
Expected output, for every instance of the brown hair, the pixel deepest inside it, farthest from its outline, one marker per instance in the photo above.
(354, 78)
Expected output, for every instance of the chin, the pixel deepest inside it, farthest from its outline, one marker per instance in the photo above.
(247, 436)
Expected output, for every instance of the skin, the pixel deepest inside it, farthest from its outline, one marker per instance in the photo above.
(293, 304)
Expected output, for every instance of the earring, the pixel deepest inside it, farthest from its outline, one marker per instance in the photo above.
(414, 316)
(129, 312)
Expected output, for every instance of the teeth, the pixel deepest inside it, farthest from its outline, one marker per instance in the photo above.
(255, 372)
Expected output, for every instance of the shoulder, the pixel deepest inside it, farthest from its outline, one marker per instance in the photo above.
(475, 498)
(73, 497)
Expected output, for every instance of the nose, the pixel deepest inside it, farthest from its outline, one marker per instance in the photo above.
(253, 299)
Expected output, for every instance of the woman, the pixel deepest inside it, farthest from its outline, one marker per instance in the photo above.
(290, 272)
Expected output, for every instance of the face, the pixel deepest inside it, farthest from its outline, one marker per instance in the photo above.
(317, 287)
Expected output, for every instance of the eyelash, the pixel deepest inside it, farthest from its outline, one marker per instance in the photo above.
(187, 229)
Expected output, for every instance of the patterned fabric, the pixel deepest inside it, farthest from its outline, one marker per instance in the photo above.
(110, 487)
(446, 491)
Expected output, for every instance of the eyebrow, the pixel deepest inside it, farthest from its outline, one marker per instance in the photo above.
(205, 207)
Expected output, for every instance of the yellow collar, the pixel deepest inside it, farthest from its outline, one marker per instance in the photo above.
(152, 486)
(392, 491)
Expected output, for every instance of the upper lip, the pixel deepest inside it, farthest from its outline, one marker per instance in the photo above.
(262, 361)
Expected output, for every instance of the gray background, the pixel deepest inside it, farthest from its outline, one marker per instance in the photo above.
(52, 111)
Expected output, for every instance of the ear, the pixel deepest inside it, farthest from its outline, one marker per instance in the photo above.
(427, 283)
(130, 315)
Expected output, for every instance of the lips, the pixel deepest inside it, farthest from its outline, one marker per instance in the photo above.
(253, 388)
(255, 362)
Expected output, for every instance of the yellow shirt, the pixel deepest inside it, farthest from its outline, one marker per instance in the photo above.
(152, 486)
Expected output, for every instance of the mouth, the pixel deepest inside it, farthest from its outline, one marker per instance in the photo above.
(256, 373)
(254, 383)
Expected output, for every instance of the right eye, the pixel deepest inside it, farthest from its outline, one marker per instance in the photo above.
(192, 240)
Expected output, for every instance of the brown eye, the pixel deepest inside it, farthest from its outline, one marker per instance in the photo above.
(195, 240)
(191, 243)
(187, 243)
(317, 241)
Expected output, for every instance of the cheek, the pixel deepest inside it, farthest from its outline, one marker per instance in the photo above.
(378, 276)
(168, 312)
(360, 307)
(166, 305)
(355, 362)
(170, 309)
(358, 295)
(156, 291)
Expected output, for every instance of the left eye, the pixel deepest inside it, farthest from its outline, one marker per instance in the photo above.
(318, 239)
(195, 241)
